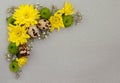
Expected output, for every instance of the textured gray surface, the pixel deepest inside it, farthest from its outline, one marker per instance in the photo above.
(87, 53)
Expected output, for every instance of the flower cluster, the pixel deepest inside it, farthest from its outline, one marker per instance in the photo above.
(28, 22)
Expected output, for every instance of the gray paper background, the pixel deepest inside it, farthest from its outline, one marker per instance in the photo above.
(86, 53)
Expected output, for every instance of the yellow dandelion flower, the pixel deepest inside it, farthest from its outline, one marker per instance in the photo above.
(26, 15)
(68, 8)
(56, 22)
(21, 61)
(17, 34)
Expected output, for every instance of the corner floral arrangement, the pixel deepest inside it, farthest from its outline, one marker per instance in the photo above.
(33, 21)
